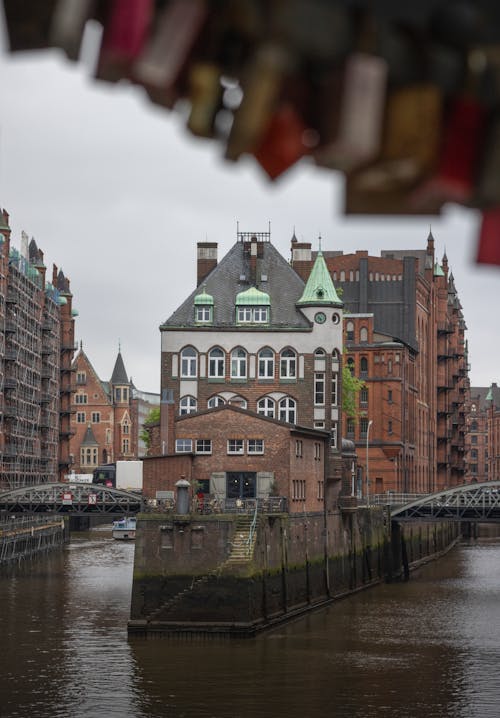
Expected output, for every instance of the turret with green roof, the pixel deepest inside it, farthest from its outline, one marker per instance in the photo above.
(319, 289)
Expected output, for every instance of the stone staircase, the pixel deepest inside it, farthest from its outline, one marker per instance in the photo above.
(242, 549)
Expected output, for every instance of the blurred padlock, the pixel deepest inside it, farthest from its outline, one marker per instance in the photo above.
(412, 130)
(261, 84)
(28, 23)
(125, 32)
(205, 93)
(283, 143)
(488, 250)
(487, 189)
(68, 25)
(164, 58)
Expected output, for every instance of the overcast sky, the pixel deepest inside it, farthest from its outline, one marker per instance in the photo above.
(117, 194)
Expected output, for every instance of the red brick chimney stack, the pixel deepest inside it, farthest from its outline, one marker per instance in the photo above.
(206, 260)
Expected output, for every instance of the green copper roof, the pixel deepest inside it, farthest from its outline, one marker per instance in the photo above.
(319, 288)
(3, 223)
(203, 298)
(489, 395)
(438, 271)
(252, 297)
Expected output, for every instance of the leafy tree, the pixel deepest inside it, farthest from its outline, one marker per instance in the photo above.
(152, 418)
(351, 386)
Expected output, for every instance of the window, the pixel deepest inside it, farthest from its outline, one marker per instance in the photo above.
(88, 456)
(317, 451)
(125, 446)
(298, 490)
(238, 364)
(350, 428)
(81, 398)
(363, 396)
(80, 417)
(287, 410)
(238, 401)
(118, 394)
(333, 436)
(389, 426)
(334, 390)
(203, 446)
(473, 454)
(253, 315)
(266, 364)
(126, 428)
(244, 314)
(260, 315)
(363, 334)
(215, 401)
(266, 407)
(319, 389)
(96, 417)
(203, 314)
(216, 364)
(349, 331)
(81, 377)
(363, 428)
(473, 425)
(350, 365)
(108, 436)
(298, 448)
(363, 368)
(288, 364)
(473, 468)
(255, 446)
(188, 363)
(320, 494)
(183, 446)
(125, 394)
(187, 405)
(473, 439)
(235, 446)
(389, 396)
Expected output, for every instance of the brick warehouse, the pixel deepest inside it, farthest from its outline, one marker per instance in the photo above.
(36, 351)
(253, 335)
(404, 337)
(107, 416)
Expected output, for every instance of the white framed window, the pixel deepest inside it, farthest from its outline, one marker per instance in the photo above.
(183, 446)
(298, 448)
(349, 333)
(319, 389)
(203, 446)
(244, 314)
(125, 394)
(118, 394)
(125, 446)
(317, 451)
(80, 417)
(203, 314)
(88, 456)
(81, 398)
(125, 428)
(215, 401)
(189, 363)
(288, 364)
(363, 334)
(96, 417)
(238, 401)
(235, 446)
(298, 490)
(216, 363)
(261, 315)
(238, 363)
(253, 315)
(266, 407)
(81, 377)
(266, 363)
(333, 436)
(334, 389)
(187, 405)
(255, 446)
(288, 410)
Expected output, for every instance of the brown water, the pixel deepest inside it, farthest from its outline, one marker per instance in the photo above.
(426, 649)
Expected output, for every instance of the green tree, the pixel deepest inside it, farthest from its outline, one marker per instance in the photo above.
(152, 418)
(351, 386)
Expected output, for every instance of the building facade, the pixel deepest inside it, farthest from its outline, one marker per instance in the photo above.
(107, 416)
(254, 335)
(483, 404)
(404, 337)
(36, 351)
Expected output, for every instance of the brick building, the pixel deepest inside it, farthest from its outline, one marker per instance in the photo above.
(483, 402)
(36, 351)
(253, 335)
(107, 416)
(404, 337)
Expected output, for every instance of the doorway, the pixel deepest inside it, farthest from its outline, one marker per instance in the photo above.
(241, 484)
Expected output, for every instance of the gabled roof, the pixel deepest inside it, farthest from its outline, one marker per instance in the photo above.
(82, 356)
(89, 437)
(119, 375)
(319, 288)
(273, 276)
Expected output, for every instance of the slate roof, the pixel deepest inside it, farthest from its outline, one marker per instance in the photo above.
(224, 282)
(89, 438)
(119, 375)
(484, 395)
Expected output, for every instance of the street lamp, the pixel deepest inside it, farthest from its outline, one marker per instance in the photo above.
(367, 464)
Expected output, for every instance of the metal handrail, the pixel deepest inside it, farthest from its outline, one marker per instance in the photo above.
(253, 526)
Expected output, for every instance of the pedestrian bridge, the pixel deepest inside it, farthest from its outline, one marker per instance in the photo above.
(470, 502)
(73, 499)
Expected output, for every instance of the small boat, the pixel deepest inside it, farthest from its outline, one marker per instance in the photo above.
(124, 528)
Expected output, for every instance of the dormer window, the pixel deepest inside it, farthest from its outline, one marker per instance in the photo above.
(203, 314)
(203, 308)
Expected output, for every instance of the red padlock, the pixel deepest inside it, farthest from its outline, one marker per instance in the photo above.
(125, 32)
(489, 238)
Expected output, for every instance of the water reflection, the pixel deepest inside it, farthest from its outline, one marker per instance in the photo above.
(425, 649)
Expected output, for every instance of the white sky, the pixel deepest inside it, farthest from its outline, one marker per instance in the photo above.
(117, 194)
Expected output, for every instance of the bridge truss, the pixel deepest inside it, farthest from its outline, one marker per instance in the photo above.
(470, 502)
(73, 499)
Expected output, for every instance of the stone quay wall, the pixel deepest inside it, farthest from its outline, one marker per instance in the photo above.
(186, 582)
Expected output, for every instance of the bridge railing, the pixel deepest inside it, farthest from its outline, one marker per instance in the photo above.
(389, 499)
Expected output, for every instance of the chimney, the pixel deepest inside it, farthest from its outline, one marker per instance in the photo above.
(206, 260)
(302, 258)
(253, 261)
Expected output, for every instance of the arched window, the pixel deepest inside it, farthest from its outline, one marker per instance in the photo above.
(189, 362)
(266, 363)
(238, 401)
(266, 406)
(319, 354)
(363, 367)
(363, 334)
(216, 363)
(288, 410)
(187, 405)
(215, 401)
(350, 365)
(288, 364)
(238, 363)
(342, 276)
(349, 331)
(473, 425)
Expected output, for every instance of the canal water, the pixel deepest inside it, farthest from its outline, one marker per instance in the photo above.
(429, 648)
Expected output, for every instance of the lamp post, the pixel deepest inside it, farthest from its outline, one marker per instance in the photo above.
(367, 463)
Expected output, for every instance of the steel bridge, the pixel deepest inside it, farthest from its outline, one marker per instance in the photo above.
(478, 503)
(72, 499)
